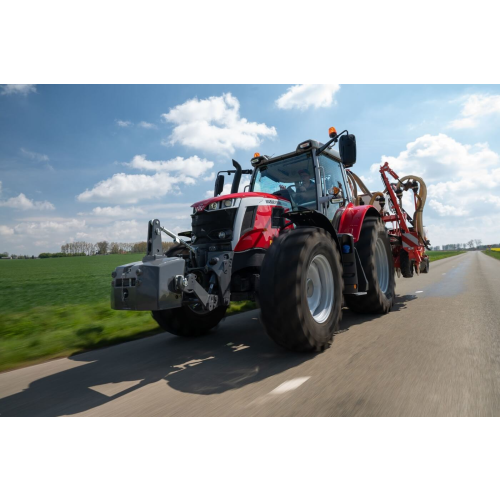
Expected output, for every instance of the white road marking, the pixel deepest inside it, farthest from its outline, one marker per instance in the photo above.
(240, 347)
(188, 364)
(289, 385)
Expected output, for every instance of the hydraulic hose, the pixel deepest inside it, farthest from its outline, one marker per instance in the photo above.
(421, 196)
(375, 196)
(357, 181)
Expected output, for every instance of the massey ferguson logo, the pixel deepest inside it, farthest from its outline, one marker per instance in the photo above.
(199, 208)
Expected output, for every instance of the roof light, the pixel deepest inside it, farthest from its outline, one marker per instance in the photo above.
(256, 155)
(305, 145)
(332, 132)
(254, 161)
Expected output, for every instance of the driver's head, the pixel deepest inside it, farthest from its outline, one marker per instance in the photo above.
(304, 175)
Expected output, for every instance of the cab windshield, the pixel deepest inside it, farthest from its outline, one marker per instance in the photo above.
(291, 178)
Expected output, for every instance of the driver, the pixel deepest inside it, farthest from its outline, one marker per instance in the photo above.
(307, 188)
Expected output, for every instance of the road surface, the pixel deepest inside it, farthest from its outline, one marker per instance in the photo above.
(436, 354)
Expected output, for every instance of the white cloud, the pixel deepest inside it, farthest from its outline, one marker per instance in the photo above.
(440, 157)
(17, 89)
(125, 188)
(48, 227)
(130, 188)
(6, 231)
(116, 211)
(305, 96)
(475, 107)
(21, 202)
(146, 125)
(193, 166)
(215, 125)
(34, 156)
(463, 182)
(451, 210)
(123, 123)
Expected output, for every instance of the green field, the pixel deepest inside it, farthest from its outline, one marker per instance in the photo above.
(60, 306)
(438, 255)
(493, 253)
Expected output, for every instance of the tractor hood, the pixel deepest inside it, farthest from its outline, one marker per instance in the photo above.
(201, 205)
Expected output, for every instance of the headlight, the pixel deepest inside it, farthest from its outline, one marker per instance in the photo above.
(222, 235)
(213, 206)
(228, 203)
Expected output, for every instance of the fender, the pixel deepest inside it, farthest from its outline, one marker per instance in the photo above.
(353, 217)
(316, 219)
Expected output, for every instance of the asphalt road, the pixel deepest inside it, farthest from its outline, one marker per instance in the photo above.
(436, 354)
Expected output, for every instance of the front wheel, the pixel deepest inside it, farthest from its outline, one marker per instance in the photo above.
(301, 290)
(187, 321)
(375, 253)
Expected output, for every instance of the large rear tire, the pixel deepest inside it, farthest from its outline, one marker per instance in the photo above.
(188, 321)
(375, 253)
(301, 290)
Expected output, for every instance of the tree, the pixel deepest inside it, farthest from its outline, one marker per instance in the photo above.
(478, 243)
(103, 247)
(470, 243)
(115, 248)
(4, 254)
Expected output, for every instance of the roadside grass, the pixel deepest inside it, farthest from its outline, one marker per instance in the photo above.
(46, 332)
(494, 252)
(58, 307)
(439, 254)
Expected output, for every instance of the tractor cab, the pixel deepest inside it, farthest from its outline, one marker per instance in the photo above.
(311, 178)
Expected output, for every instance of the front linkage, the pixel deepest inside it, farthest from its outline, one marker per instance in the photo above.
(158, 282)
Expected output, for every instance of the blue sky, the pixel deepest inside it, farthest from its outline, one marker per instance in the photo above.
(97, 161)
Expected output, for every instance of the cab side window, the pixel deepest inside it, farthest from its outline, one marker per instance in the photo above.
(333, 184)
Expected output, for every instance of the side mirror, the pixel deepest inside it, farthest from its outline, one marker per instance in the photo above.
(347, 149)
(219, 185)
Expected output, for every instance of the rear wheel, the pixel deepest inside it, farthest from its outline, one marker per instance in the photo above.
(375, 253)
(188, 320)
(301, 289)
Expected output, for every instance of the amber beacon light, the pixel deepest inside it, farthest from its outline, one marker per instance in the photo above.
(332, 132)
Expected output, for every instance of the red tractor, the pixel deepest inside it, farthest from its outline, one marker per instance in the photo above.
(300, 241)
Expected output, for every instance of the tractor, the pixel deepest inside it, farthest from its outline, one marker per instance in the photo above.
(298, 239)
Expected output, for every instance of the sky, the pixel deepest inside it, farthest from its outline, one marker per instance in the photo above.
(95, 162)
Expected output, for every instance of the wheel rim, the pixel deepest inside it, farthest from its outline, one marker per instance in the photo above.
(319, 288)
(382, 265)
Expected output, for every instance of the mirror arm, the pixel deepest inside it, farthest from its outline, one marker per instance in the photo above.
(334, 140)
